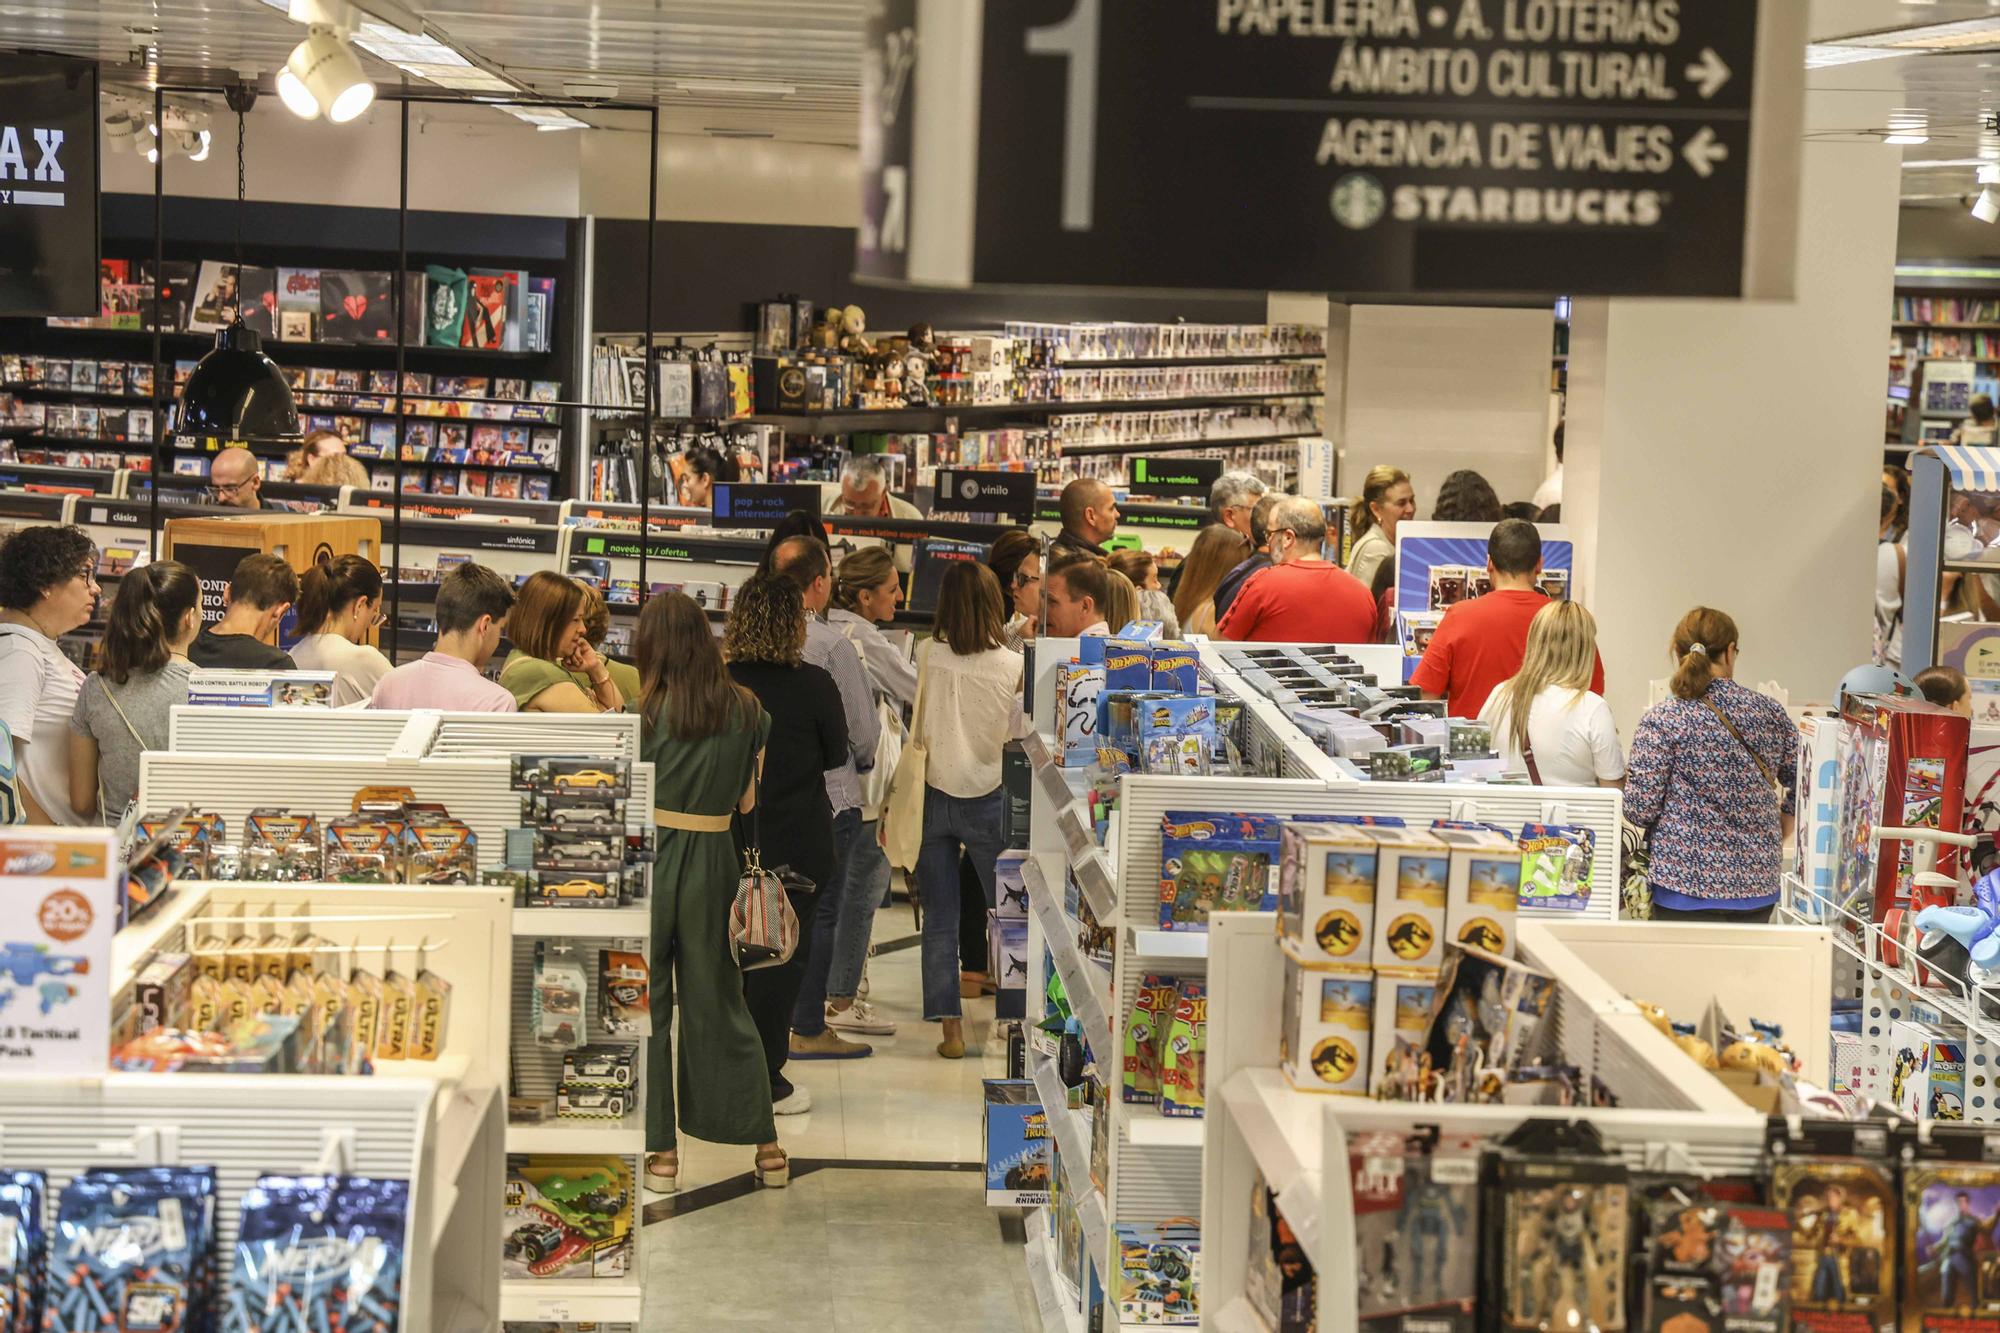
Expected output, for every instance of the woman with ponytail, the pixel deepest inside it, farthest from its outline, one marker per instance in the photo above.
(1711, 779)
(122, 709)
(340, 605)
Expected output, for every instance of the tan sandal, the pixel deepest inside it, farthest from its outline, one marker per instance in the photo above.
(666, 1181)
(773, 1168)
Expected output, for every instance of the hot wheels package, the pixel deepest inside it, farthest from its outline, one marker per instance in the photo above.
(625, 1002)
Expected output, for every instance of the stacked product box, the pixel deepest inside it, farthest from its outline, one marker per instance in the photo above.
(1388, 732)
(584, 856)
(1007, 936)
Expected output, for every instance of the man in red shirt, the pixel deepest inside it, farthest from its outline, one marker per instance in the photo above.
(1301, 598)
(1479, 643)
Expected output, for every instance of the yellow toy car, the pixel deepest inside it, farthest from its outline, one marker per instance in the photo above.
(586, 777)
(577, 888)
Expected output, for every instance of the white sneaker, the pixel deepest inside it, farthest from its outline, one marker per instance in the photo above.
(860, 1017)
(797, 1104)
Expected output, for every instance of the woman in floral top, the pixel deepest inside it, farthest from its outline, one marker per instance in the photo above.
(1710, 777)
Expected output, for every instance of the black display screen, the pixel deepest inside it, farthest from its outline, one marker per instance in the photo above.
(48, 186)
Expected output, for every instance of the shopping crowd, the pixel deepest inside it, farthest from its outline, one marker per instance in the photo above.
(785, 732)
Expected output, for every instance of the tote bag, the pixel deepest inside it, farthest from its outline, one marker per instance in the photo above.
(903, 816)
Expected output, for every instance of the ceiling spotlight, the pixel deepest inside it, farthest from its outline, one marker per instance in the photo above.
(1987, 206)
(120, 128)
(324, 76)
(191, 143)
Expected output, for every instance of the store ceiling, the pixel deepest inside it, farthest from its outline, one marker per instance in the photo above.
(800, 59)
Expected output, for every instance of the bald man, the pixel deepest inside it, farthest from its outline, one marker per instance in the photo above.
(234, 481)
(1089, 517)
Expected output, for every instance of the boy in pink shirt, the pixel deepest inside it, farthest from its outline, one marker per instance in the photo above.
(472, 607)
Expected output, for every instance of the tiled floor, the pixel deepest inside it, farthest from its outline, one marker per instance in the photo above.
(862, 1247)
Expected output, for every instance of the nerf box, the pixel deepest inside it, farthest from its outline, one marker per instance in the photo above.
(1326, 1020)
(1402, 1017)
(1412, 867)
(1927, 1073)
(1484, 890)
(1215, 862)
(1326, 892)
(1017, 1145)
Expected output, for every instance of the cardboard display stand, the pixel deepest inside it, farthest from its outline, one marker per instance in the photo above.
(212, 546)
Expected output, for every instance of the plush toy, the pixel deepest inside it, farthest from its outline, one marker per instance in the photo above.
(1753, 1057)
(1697, 1050)
(1657, 1016)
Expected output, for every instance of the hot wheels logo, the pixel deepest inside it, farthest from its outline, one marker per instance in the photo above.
(1200, 829)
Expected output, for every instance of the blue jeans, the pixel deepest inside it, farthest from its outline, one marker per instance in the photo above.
(952, 822)
(829, 906)
(865, 879)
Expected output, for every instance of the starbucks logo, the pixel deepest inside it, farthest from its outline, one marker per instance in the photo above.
(1358, 201)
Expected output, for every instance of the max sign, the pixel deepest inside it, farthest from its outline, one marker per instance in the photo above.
(48, 186)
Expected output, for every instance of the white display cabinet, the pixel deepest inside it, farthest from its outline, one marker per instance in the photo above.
(1154, 1169)
(231, 760)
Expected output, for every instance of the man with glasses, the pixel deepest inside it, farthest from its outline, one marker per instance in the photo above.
(234, 481)
(1302, 597)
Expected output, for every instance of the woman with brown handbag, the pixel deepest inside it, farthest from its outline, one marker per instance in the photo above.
(704, 735)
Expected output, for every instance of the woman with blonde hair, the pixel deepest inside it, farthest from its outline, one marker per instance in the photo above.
(1121, 606)
(1215, 552)
(1545, 720)
(1387, 498)
(1143, 568)
(1712, 780)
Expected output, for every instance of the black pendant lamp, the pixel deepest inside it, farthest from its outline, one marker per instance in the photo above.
(236, 393)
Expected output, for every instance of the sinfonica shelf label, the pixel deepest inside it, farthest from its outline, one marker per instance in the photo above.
(1361, 147)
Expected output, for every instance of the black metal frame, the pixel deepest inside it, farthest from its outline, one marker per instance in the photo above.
(405, 96)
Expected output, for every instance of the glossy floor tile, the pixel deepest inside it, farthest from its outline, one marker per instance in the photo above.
(863, 1246)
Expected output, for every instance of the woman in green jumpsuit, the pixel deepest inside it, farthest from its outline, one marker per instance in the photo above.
(704, 735)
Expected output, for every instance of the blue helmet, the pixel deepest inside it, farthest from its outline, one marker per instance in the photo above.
(1872, 679)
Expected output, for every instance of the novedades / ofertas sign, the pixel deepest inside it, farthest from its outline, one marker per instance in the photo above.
(1498, 148)
(48, 186)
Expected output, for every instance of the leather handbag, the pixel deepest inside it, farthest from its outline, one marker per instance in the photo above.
(763, 928)
(903, 817)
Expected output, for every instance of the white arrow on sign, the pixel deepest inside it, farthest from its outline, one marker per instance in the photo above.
(1708, 74)
(1703, 152)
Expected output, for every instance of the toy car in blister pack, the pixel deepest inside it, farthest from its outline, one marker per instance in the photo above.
(441, 851)
(132, 1250)
(573, 774)
(1843, 1241)
(548, 810)
(567, 1217)
(558, 994)
(1556, 1260)
(589, 1102)
(1184, 1053)
(601, 1065)
(1214, 862)
(577, 888)
(23, 1249)
(319, 1252)
(1951, 1276)
(1416, 1232)
(281, 846)
(624, 988)
(579, 849)
(363, 851)
(1156, 1273)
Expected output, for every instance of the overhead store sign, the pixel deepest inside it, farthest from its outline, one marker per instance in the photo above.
(1174, 476)
(48, 186)
(742, 504)
(1366, 148)
(984, 491)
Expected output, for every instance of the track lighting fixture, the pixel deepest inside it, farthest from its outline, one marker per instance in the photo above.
(323, 76)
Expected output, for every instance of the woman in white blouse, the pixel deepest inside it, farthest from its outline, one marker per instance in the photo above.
(968, 708)
(1545, 720)
(340, 605)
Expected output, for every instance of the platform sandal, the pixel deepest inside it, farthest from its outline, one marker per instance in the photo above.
(773, 1168)
(667, 1181)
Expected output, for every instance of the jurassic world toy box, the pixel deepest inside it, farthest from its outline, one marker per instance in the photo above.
(567, 1217)
(1326, 893)
(1323, 1032)
(1017, 1145)
(1412, 867)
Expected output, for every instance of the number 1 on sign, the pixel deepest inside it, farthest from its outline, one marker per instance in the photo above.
(1075, 39)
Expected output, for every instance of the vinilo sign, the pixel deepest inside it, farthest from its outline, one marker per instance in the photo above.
(48, 186)
(1500, 148)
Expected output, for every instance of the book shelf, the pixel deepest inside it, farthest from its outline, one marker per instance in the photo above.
(518, 401)
(1944, 333)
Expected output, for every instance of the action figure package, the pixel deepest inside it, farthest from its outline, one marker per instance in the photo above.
(1416, 1233)
(1712, 1267)
(1843, 1243)
(1559, 1262)
(1326, 893)
(1145, 1036)
(1485, 1015)
(1017, 1145)
(1403, 1001)
(1215, 862)
(1184, 1054)
(1412, 867)
(1556, 865)
(1951, 1281)
(568, 1217)
(1484, 891)
(1156, 1277)
(1278, 1277)
(1324, 1028)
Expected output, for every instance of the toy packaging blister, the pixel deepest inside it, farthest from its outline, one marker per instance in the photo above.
(1556, 865)
(1184, 1053)
(281, 846)
(1324, 1029)
(624, 981)
(1145, 1032)
(1215, 862)
(1558, 1263)
(1416, 1232)
(558, 994)
(1843, 1242)
(1156, 1273)
(1177, 735)
(319, 1252)
(1326, 893)
(23, 1249)
(568, 1217)
(133, 1250)
(573, 774)
(1951, 1276)
(441, 851)
(363, 851)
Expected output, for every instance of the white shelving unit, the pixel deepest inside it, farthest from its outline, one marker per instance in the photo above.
(225, 760)
(1156, 1162)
